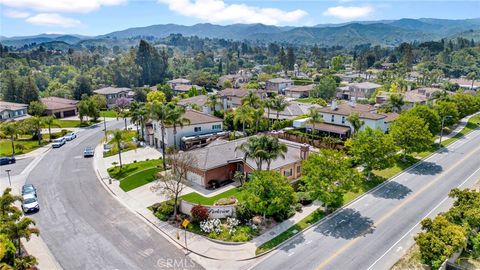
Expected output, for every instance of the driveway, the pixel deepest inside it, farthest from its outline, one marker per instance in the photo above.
(84, 226)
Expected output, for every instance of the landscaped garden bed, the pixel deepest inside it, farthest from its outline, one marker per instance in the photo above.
(127, 143)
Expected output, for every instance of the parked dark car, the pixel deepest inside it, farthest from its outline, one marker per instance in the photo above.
(29, 189)
(7, 160)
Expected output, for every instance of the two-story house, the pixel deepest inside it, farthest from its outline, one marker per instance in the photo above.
(12, 111)
(363, 90)
(231, 97)
(299, 91)
(278, 85)
(112, 94)
(179, 81)
(201, 130)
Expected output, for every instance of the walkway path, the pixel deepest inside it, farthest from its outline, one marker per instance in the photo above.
(463, 122)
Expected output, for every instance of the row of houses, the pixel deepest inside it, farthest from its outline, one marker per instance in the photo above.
(58, 107)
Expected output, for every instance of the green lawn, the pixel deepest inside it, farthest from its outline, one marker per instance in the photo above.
(111, 114)
(136, 174)
(310, 100)
(199, 199)
(469, 127)
(59, 123)
(27, 144)
(127, 136)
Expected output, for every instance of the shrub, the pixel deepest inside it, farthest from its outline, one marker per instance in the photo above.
(199, 212)
(304, 198)
(243, 213)
(240, 236)
(163, 210)
(298, 207)
(64, 131)
(19, 147)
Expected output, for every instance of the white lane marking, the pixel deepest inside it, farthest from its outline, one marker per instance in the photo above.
(290, 254)
(418, 223)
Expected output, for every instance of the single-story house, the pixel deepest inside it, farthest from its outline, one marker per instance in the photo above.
(220, 160)
(299, 91)
(10, 111)
(278, 85)
(112, 94)
(201, 130)
(293, 110)
(60, 107)
(184, 88)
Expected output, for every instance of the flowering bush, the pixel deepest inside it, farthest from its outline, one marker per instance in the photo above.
(199, 212)
(232, 222)
(211, 225)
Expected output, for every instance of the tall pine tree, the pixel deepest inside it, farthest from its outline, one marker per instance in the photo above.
(29, 91)
(82, 87)
(10, 91)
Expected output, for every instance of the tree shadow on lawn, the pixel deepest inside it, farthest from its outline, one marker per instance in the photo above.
(392, 190)
(427, 168)
(347, 224)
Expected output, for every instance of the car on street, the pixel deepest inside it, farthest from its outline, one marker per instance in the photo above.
(29, 189)
(30, 203)
(58, 142)
(70, 136)
(7, 160)
(88, 152)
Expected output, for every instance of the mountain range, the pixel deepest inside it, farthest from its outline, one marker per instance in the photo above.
(384, 32)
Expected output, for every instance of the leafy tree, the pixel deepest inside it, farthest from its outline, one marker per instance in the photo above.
(121, 106)
(141, 94)
(36, 108)
(268, 193)
(83, 86)
(290, 58)
(153, 64)
(244, 115)
(447, 111)
(100, 101)
(226, 84)
(83, 109)
(325, 89)
(430, 116)
(355, 121)
(29, 91)
(466, 104)
(466, 208)
(337, 62)
(328, 175)
(439, 240)
(157, 96)
(411, 134)
(9, 87)
(167, 91)
(395, 102)
(373, 149)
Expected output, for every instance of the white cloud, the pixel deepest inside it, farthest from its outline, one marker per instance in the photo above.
(218, 11)
(53, 19)
(348, 13)
(16, 14)
(75, 6)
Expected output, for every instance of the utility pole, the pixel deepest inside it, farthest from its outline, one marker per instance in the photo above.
(441, 130)
(9, 180)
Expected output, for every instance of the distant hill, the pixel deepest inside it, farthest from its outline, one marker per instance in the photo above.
(384, 32)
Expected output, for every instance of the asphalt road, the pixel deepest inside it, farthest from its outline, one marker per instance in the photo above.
(374, 232)
(16, 168)
(84, 226)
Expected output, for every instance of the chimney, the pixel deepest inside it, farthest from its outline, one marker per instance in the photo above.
(334, 105)
(304, 150)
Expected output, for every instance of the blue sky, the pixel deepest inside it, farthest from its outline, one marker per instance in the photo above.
(94, 17)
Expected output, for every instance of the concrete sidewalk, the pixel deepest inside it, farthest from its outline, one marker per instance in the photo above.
(139, 154)
(140, 198)
(463, 122)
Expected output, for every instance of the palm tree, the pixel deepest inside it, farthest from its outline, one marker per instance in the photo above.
(16, 230)
(160, 113)
(11, 130)
(274, 148)
(25, 262)
(243, 114)
(49, 121)
(355, 121)
(268, 103)
(176, 119)
(315, 118)
(395, 101)
(138, 114)
(257, 115)
(7, 207)
(252, 148)
(118, 139)
(212, 102)
(472, 76)
(279, 104)
(252, 99)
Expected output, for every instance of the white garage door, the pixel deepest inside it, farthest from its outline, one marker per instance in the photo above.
(195, 178)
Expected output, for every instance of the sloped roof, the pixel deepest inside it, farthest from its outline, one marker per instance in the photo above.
(364, 85)
(197, 117)
(4, 105)
(111, 90)
(233, 92)
(300, 88)
(293, 110)
(198, 100)
(280, 80)
(56, 103)
(345, 109)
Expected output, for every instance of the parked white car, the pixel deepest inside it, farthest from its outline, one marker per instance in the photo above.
(70, 136)
(30, 203)
(59, 142)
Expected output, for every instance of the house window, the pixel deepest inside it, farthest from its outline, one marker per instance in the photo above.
(214, 127)
(343, 119)
(288, 172)
(299, 169)
(197, 129)
(333, 118)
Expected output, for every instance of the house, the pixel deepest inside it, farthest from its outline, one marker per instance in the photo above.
(293, 110)
(200, 102)
(335, 119)
(232, 97)
(178, 81)
(184, 88)
(361, 90)
(219, 161)
(241, 77)
(60, 107)
(201, 130)
(10, 111)
(278, 85)
(299, 91)
(466, 84)
(112, 94)
(416, 96)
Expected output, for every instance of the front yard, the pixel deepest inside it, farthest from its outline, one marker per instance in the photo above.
(25, 144)
(59, 123)
(127, 144)
(136, 174)
(199, 199)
